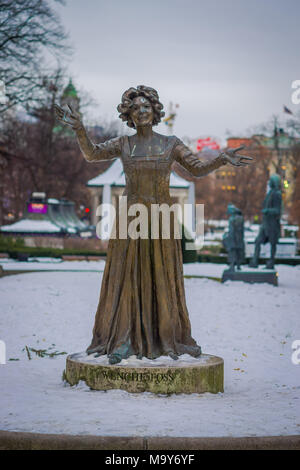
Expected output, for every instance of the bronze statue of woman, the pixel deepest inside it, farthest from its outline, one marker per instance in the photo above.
(142, 308)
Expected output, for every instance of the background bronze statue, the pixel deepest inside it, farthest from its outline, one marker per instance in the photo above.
(269, 230)
(142, 308)
(234, 239)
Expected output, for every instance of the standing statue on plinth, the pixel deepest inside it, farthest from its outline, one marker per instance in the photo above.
(233, 240)
(142, 308)
(270, 228)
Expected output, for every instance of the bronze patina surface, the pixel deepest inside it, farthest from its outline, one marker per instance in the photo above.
(269, 230)
(142, 308)
(233, 240)
(201, 375)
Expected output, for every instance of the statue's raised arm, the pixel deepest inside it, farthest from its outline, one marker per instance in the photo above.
(71, 118)
(231, 156)
(92, 152)
(198, 167)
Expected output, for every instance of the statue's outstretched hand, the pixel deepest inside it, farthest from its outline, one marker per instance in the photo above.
(234, 158)
(71, 118)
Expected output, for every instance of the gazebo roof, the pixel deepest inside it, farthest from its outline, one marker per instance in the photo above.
(114, 176)
(31, 226)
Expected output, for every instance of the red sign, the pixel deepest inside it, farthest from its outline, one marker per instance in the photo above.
(207, 143)
(37, 208)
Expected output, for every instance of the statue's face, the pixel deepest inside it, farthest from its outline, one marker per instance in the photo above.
(274, 182)
(141, 112)
(271, 183)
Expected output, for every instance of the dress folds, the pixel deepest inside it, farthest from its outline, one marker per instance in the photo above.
(142, 307)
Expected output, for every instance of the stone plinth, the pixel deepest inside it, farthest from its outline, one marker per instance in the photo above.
(162, 375)
(251, 275)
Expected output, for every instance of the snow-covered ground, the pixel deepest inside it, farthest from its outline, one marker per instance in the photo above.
(50, 264)
(251, 326)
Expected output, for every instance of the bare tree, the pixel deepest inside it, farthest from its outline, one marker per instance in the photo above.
(29, 29)
(41, 155)
(295, 198)
(293, 124)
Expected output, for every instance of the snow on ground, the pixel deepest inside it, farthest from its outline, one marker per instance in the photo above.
(252, 326)
(50, 264)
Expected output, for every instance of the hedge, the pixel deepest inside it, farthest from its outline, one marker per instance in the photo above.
(48, 252)
(221, 259)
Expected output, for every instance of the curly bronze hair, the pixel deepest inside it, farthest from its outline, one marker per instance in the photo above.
(127, 102)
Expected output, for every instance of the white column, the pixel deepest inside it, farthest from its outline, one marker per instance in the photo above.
(106, 199)
(95, 204)
(191, 200)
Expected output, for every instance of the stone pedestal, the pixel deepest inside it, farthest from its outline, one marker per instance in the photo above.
(251, 275)
(162, 375)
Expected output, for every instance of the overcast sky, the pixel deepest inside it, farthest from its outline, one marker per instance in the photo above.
(229, 64)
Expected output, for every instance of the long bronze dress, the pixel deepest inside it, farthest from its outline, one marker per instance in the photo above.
(142, 307)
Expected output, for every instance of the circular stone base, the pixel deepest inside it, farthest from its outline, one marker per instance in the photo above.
(162, 375)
